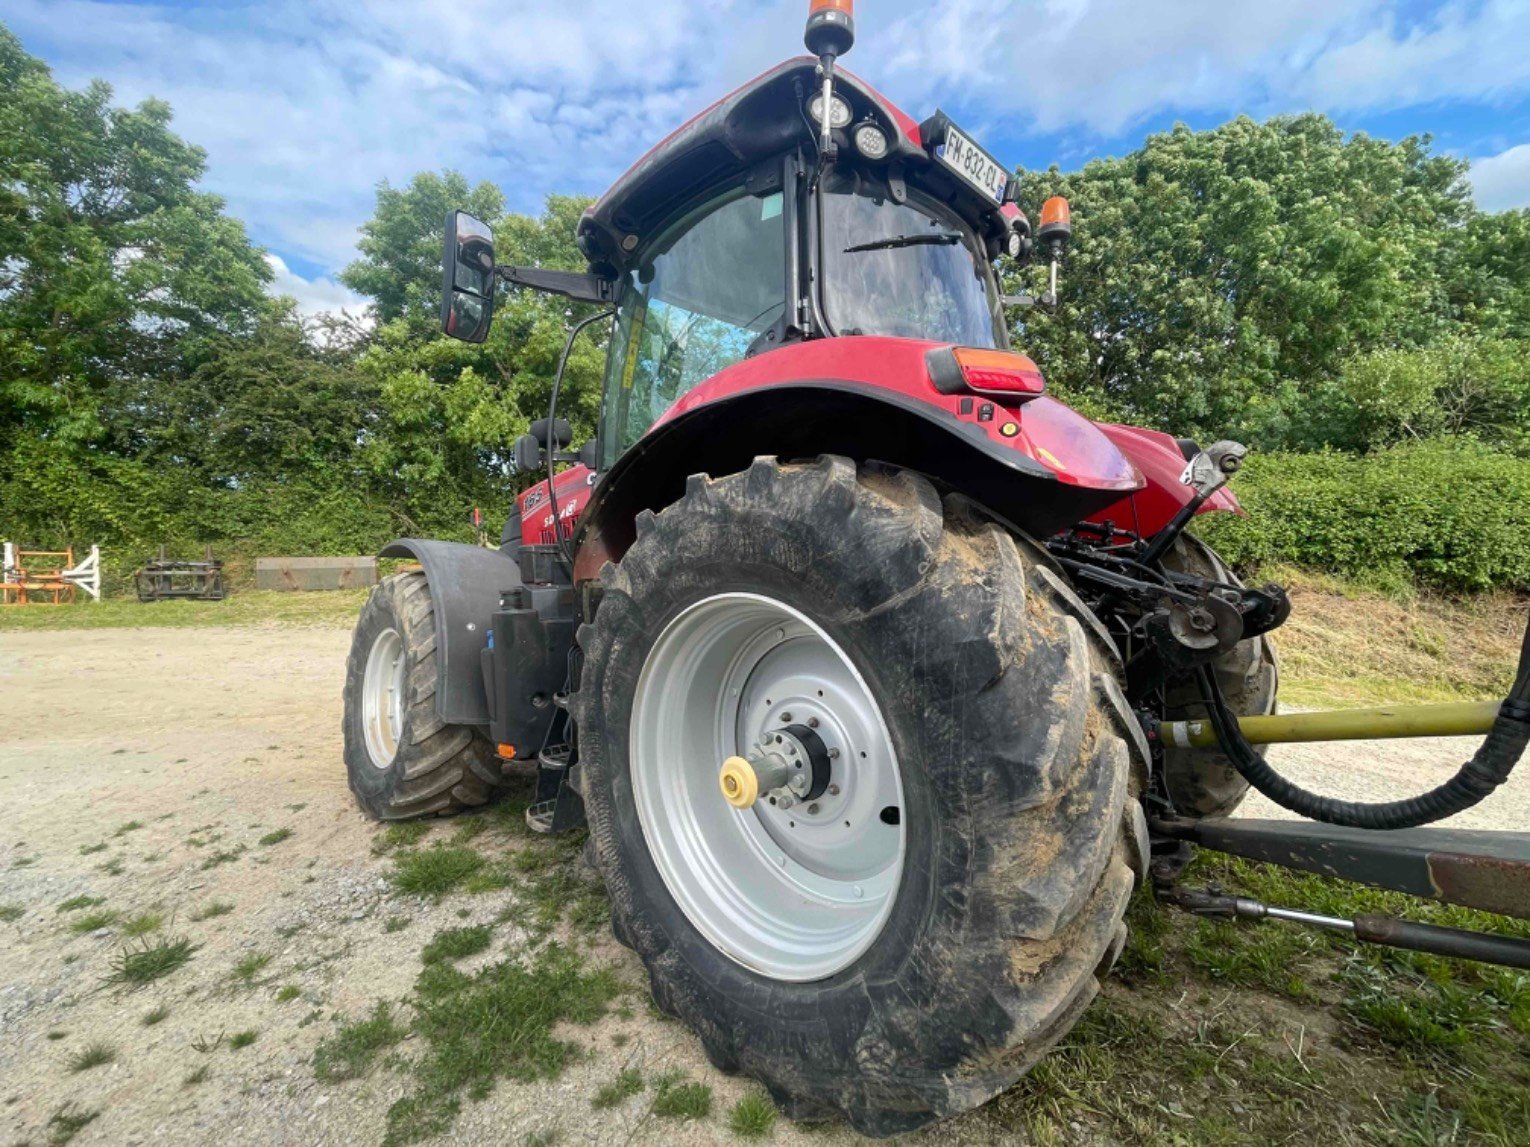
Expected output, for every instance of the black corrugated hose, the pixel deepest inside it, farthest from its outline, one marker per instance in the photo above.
(1489, 768)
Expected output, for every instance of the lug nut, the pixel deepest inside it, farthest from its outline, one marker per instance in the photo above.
(834, 790)
(833, 754)
(786, 718)
(812, 722)
(813, 807)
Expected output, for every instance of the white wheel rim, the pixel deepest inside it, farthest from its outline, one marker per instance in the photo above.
(382, 698)
(791, 893)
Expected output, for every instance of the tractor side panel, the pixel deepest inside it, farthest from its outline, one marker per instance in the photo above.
(536, 510)
(1160, 461)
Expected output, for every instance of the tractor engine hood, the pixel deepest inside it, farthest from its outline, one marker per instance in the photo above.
(733, 137)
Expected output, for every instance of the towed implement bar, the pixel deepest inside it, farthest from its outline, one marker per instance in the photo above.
(1455, 719)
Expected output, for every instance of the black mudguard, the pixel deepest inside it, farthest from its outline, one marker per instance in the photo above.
(465, 587)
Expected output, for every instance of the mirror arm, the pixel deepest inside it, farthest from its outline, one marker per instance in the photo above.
(572, 284)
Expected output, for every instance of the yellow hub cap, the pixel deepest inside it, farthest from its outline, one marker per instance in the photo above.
(740, 786)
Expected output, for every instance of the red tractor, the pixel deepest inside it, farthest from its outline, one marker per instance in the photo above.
(879, 676)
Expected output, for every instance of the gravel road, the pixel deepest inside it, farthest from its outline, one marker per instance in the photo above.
(210, 739)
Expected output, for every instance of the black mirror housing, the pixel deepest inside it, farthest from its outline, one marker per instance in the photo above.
(526, 455)
(467, 278)
(589, 455)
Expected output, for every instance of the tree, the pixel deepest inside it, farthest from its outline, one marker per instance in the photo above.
(449, 411)
(1216, 275)
(112, 265)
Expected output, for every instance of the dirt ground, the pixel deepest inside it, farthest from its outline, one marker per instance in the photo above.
(209, 739)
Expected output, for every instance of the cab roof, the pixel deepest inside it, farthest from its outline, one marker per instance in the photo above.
(736, 135)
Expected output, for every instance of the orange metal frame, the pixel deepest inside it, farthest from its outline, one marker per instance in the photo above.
(45, 586)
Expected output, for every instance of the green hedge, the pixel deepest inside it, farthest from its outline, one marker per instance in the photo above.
(1446, 512)
(1449, 512)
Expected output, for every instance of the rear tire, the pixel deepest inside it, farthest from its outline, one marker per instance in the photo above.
(401, 759)
(1205, 782)
(1018, 762)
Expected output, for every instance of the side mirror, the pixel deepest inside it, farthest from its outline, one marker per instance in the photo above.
(467, 282)
(526, 455)
(589, 455)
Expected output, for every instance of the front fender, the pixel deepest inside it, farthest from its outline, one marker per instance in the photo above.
(465, 585)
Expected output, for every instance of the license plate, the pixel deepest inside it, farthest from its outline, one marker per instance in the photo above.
(974, 165)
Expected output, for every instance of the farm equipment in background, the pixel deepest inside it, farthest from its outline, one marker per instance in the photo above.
(48, 577)
(163, 578)
(879, 676)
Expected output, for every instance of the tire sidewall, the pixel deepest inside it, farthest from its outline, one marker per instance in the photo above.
(374, 787)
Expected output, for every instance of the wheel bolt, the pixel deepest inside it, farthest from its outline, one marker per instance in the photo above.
(833, 754)
(812, 722)
(813, 807)
(834, 790)
(786, 718)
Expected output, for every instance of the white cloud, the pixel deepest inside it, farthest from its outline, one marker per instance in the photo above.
(304, 107)
(1502, 181)
(316, 296)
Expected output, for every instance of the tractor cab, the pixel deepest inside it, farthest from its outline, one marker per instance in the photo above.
(780, 214)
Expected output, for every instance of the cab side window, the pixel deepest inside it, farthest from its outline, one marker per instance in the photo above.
(705, 291)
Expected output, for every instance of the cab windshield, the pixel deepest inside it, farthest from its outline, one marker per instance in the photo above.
(902, 269)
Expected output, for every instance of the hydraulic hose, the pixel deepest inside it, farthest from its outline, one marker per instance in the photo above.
(552, 421)
(1488, 768)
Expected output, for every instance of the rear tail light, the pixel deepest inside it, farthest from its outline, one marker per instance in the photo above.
(1001, 374)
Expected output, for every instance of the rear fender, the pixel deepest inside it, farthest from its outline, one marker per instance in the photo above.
(465, 586)
(808, 418)
(1160, 460)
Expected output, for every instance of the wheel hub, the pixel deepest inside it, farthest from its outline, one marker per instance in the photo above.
(798, 888)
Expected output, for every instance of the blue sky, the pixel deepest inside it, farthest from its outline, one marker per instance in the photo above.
(304, 107)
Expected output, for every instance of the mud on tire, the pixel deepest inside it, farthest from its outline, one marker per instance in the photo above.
(1019, 764)
(436, 767)
(1204, 782)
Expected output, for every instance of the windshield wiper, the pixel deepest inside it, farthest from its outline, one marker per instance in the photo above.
(933, 239)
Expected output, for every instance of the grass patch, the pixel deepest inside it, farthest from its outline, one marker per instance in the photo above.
(92, 1055)
(69, 1120)
(130, 826)
(495, 1024)
(678, 1100)
(76, 903)
(158, 1014)
(92, 849)
(753, 1116)
(195, 1077)
(247, 969)
(287, 992)
(212, 910)
(152, 960)
(275, 837)
(10, 913)
(1350, 646)
(100, 918)
(457, 943)
(623, 1087)
(224, 856)
(273, 608)
(395, 924)
(353, 1050)
(401, 834)
(435, 871)
(142, 924)
(242, 1039)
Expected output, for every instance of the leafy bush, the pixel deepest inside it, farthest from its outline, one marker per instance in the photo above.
(1451, 513)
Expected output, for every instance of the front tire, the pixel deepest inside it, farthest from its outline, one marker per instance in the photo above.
(1007, 741)
(401, 759)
